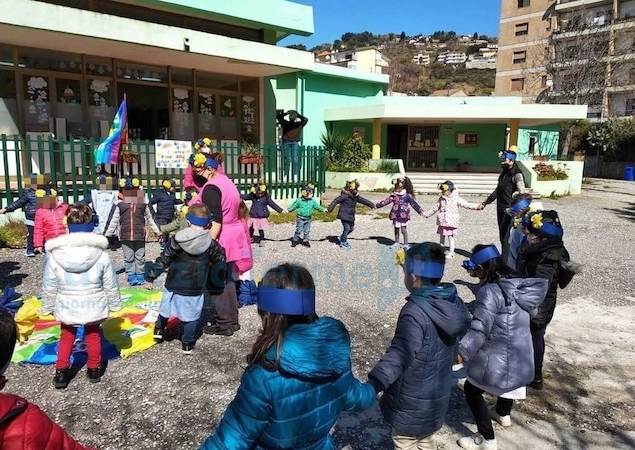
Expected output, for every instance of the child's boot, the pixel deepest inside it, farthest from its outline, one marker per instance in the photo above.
(294, 242)
(94, 374)
(159, 335)
(187, 348)
(62, 378)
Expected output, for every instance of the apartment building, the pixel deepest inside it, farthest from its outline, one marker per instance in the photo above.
(451, 57)
(422, 59)
(523, 48)
(366, 59)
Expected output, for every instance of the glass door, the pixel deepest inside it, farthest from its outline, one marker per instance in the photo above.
(423, 147)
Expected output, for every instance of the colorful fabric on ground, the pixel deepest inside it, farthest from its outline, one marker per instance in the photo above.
(108, 151)
(124, 333)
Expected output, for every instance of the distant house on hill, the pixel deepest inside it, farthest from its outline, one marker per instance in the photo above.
(422, 59)
(456, 92)
(365, 59)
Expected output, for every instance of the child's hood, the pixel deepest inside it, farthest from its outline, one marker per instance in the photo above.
(528, 293)
(77, 252)
(194, 241)
(317, 350)
(444, 307)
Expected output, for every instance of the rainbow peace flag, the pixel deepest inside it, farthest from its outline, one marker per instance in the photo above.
(108, 150)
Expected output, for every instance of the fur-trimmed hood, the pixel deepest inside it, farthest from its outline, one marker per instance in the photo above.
(77, 252)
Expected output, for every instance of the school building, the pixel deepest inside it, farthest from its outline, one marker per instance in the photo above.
(193, 68)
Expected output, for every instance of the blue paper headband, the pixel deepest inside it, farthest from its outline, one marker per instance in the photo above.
(81, 227)
(522, 204)
(287, 302)
(199, 221)
(551, 230)
(509, 155)
(425, 269)
(211, 163)
(480, 257)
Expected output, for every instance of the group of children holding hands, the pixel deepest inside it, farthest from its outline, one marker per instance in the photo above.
(299, 378)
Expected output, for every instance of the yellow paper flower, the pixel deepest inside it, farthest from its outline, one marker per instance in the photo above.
(500, 154)
(199, 160)
(184, 211)
(253, 190)
(304, 192)
(40, 193)
(263, 187)
(196, 146)
(207, 141)
(400, 257)
(536, 221)
(135, 182)
(53, 193)
(445, 187)
(122, 182)
(167, 184)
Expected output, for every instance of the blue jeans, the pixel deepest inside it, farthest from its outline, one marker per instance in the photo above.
(29, 238)
(188, 336)
(302, 227)
(291, 157)
(347, 228)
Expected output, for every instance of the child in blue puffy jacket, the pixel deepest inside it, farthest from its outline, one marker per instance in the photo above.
(299, 375)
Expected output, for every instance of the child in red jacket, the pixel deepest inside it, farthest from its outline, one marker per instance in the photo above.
(23, 426)
(50, 217)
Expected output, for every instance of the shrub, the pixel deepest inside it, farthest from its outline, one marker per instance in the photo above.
(547, 172)
(13, 234)
(334, 143)
(387, 167)
(346, 154)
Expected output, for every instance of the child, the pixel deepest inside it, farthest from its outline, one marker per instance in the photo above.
(402, 198)
(22, 424)
(521, 205)
(348, 204)
(298, 378)
(448, 219)
(543, 255)
(50, 217)
(165, 202)
(80, 287)
(192, 258)
(305, 206)
(102, 200)
(28, 203)
(245, 286)
(497, 348)
(131, 216)
(259, 211)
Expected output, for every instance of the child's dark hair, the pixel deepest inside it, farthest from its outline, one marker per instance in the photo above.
(284, 276)
(8, 335)
(494, 269)
(430, 252)
(79, 213)
(407, 184)
(243, 211)
(198, 211)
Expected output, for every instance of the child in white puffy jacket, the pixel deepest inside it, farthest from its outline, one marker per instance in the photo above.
(80, 287)
(448, 219)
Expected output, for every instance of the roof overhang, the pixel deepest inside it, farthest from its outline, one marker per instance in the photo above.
(455, 110)
(41, 25)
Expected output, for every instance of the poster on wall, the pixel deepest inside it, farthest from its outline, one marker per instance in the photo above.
(172, 154)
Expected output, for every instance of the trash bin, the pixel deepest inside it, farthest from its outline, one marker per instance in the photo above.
(629, 173)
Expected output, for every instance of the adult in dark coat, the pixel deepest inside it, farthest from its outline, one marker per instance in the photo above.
(543, 256)
(416, 371)
(510, 181)
(291, 137)
(348, 199)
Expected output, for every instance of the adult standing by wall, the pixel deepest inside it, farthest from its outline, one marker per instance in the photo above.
(291, 137)
(222, 198)
(510, 181)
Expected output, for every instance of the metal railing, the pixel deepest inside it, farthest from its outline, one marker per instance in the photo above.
(70, 164)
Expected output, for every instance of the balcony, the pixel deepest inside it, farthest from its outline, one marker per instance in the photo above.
(590, 27)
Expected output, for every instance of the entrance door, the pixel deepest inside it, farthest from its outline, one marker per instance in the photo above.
(148, 116)
(397, 141)
(423, 147)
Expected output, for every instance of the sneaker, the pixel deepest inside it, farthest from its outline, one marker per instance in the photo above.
(294, 243)
(477, 442)
(347, 246)
(29, 253)
(503, 421)
(187, 348)
(94, 375)
(537, 384)
(306, 243)
(159, 335)
(62, 378)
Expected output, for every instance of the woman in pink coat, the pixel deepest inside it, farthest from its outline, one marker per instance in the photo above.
(448, 209)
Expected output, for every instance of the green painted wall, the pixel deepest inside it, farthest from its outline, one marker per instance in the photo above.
(548, 138)
(482, 156)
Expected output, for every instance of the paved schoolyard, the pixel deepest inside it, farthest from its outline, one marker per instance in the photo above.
(162, 399)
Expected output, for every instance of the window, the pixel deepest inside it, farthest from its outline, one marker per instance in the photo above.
(518, 84)
(468, 139)
(9, 113)
(533, 143)
(521, 29)
(630, 106)
(523, 3)
(520, 57)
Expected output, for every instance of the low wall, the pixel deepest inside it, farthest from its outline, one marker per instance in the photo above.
(571, 186)
(367, 181)
(596, 167)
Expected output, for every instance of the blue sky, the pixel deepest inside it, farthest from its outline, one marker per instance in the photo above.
(335, 17)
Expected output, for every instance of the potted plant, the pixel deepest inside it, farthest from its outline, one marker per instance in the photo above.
(129, 155)
(250, 154)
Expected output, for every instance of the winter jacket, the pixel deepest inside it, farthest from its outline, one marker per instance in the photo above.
(23, 426)
(178, 224)
(166, 202)
(27, 202)
(348, 204)
(192, 259)
(49, 224)
(416, 371)
(102, 203)
(543, 260)
(401, 203)
(296, 406)
(509, 181)
(131, 219)
(306, 207)
(291, 130)
(497, 349)
(448, 209)
(79, 285)
(260, 205)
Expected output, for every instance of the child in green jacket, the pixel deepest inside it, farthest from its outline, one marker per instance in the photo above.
(305, 206)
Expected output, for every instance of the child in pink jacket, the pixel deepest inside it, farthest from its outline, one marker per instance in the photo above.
(50, 217)
(448, 219)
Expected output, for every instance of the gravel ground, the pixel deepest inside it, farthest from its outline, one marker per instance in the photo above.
(162, 399)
